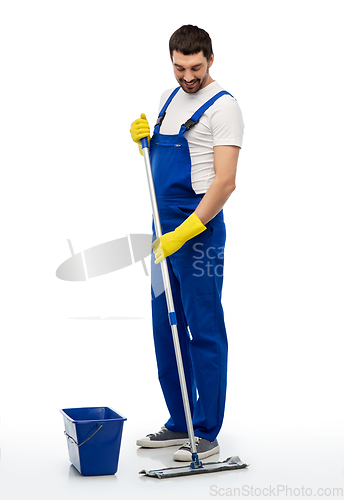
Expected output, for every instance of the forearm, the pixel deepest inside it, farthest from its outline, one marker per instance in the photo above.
(225, 164)
(214, 200)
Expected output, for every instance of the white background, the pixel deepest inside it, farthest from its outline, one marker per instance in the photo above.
(74, 75)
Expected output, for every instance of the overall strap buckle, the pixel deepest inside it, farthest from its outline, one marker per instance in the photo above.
(189, 124)
(160, 119)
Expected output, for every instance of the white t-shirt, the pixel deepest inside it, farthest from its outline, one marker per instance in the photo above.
(221, 125)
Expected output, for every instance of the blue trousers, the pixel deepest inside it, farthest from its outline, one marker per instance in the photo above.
(196, 275)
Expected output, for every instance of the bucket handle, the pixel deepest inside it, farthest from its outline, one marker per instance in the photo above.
(78, 445)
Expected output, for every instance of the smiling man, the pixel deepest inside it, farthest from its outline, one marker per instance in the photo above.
(194, 153)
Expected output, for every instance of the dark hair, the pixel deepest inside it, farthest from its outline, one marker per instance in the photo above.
(190, 40)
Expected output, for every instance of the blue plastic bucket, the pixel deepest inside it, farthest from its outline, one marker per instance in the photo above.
(94, 439)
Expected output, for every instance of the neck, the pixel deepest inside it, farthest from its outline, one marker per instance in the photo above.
(208, 81)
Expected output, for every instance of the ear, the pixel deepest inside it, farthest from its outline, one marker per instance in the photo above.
(211, 60)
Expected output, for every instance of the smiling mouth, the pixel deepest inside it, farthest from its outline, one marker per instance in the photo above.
(189, 87)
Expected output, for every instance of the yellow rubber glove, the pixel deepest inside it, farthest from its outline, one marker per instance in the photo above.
(169, 243)
(140, 129)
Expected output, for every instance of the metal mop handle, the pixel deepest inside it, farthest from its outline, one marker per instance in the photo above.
(170, 305)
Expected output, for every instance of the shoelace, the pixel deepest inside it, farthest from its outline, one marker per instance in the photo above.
(188, 444)
(163, 429)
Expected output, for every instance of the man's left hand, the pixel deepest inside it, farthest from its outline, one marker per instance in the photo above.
(170, 242)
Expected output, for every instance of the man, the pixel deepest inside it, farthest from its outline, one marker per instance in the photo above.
(194, 153)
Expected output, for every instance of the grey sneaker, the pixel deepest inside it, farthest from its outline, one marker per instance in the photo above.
(162, 439)
(204, 449)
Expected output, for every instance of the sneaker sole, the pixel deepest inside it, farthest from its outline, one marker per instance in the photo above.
(147, 443)
(185, 456)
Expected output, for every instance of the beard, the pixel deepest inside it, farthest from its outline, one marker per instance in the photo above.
(194, 85)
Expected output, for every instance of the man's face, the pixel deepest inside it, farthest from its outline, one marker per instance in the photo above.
(192, 71)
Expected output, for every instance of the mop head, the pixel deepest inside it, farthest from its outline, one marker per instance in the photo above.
(228, 464)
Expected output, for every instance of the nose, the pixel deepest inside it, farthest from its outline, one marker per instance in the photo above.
(188, 76)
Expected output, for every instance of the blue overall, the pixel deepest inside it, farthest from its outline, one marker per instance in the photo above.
(196, 275)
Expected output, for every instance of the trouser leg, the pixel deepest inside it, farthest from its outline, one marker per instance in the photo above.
(199, 268)
(164, 349)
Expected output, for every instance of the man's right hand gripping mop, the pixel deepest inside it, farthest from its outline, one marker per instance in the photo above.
(196, 466)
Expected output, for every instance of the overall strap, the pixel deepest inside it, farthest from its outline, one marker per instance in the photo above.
(197, 115)
(163, 110)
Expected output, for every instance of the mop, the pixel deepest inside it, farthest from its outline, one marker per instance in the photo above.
(196, 466)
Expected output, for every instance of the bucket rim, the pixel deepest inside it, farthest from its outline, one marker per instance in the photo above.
(85, 421)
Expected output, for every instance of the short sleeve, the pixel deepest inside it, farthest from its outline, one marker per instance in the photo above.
(227, 122)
